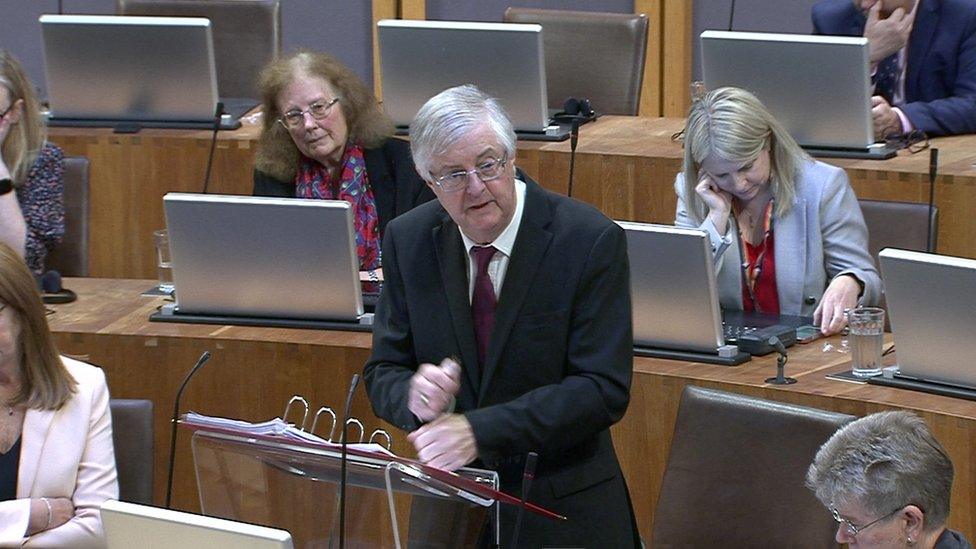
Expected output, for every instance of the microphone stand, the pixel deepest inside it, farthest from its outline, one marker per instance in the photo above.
(343, 459)
(176, 410)
(933, 168)
(218, 113)
(528, 474)
(573, 140)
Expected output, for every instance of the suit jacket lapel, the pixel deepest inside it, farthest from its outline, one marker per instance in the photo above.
(454, 273)
(530, 246)
(790, 251)
(37, 423)
(923, 30)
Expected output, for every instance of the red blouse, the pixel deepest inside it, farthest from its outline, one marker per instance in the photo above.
(759, 270)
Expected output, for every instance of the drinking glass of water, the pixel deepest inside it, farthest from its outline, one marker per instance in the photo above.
(164, 263)
(866, 326)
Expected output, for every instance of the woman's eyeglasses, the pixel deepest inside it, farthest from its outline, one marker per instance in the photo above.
(295, 118)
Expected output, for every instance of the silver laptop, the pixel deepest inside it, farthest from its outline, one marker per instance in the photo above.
(419, 59)
(673, 290)
(123, 68)
(818, 87)
(130, 525)
(263, 257)
(932, 305)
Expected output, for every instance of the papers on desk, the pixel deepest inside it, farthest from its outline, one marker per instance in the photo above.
(273, 427)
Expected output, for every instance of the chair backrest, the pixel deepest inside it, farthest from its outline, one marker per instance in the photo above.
(906, 225)
(735, 476)
(132, 434)
(246, 34)
(591, 55)
(70, 257)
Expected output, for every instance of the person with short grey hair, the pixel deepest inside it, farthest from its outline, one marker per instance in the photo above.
(786, 230)
(446, 118)
(504, 328)
(887, 481)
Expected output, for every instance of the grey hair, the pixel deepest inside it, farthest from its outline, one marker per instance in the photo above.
(885, 459)
(734, 124)
(449, 116)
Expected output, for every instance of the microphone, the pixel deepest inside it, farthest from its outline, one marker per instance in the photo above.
(933, 168)
(781, 360)
(176, 409)
(573, 140)
(343, 459)
(731, 15)
(528, 474)
(218, 112)
(51, 282)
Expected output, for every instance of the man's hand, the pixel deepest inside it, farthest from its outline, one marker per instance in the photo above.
(446, 443)
(433, 388)
(887, 36)
(886, 121)
(840, 295)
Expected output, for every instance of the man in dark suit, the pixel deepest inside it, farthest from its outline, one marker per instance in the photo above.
(923, 60)
(543, 367)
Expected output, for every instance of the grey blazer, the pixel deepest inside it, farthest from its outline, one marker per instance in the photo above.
(821, 237)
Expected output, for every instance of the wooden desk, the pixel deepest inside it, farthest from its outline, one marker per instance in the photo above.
(624, 165)
(255, 370)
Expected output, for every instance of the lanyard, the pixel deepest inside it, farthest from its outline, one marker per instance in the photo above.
(751, 271)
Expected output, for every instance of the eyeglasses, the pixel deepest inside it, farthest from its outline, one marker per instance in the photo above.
(456, 180)
(295, 118)
(915, 141)
(854, 530)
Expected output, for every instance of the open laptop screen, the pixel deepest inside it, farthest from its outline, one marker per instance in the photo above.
(818, 87)
(263, 257)
(419, 59)
(123, 68)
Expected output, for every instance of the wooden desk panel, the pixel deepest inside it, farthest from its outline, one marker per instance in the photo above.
(255, 370)
(624, 165)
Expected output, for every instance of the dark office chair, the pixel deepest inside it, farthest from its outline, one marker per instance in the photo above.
(735, 475)
(591, 55)
(70, 257)
(246, 35)
(905, 225)
(132, 435)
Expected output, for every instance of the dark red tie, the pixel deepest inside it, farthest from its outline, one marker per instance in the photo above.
(483, 301)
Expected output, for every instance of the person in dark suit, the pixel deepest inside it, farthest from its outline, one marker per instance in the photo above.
(545, 367)
(923, 60)
(324, 136)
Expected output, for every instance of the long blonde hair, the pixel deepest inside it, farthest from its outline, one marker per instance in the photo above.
(369, 126)
(734, 124)
(27, 135)
(45, 381)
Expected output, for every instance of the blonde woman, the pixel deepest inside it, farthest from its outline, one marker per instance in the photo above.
(57, 463)
(787, 232)
(31, 190)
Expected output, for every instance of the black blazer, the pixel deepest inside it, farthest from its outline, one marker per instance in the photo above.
(559, 363)
(396, 185)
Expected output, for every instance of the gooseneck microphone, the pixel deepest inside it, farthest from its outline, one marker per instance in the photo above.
(731, 15)
(218, 113)
(573, 140)
(933, 168)
(781, 360)
(176, 410)
(528, 474)
(343, 460)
